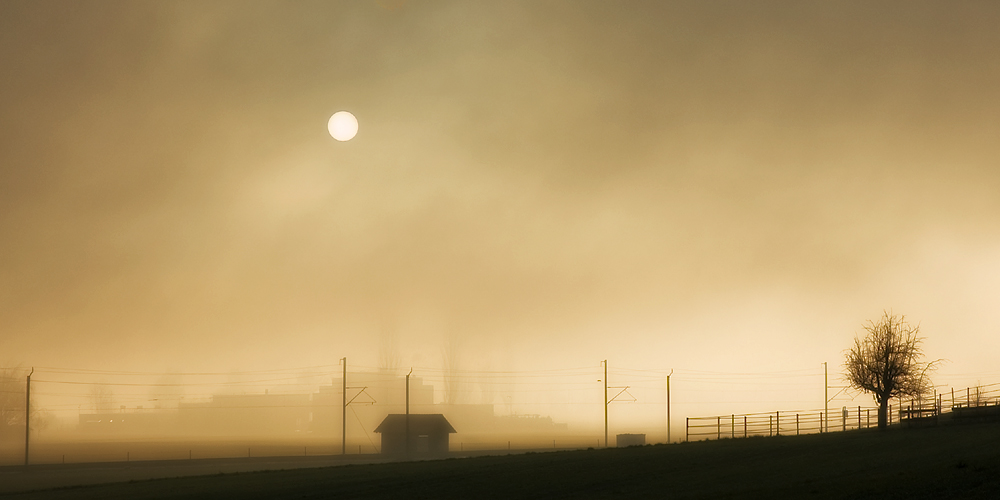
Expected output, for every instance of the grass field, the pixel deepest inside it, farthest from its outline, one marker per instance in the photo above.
(959, 461)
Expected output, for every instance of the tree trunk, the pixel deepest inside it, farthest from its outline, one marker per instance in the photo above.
(883, 412)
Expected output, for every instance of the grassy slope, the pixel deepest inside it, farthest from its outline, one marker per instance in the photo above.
(942, 462)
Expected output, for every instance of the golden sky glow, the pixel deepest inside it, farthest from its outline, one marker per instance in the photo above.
(724, 186)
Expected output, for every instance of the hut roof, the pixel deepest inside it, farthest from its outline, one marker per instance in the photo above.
(420, 423)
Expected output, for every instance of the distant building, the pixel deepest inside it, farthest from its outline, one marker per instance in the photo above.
(134, 422)
(527, 424)
(374, 398)
(623, 440)
(429, 434)
(247, 415)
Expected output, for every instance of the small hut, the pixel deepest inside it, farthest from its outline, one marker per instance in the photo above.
(624, 440)
(428, 433)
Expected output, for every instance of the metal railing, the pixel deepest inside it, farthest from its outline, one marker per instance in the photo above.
(981, 401)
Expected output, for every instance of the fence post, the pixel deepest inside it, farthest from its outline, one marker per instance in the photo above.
(777, 423)
(820, 422)
(744, 426)
(770, 425)
(732, 429)
(868, 413)
(890, 414)
(687, 425)
(796, 424)
(968, 399)
(859, 416)
(718, 427)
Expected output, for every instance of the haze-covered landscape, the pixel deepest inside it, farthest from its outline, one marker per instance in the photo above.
(240, 236)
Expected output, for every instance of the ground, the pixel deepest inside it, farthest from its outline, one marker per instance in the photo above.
(959, 461)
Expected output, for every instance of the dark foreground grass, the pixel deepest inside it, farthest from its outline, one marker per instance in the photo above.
(940, 462)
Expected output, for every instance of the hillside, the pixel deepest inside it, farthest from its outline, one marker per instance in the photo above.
(961, 461)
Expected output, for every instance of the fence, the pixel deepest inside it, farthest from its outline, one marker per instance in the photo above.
(976, 402)
(778, 423)
(978, 396)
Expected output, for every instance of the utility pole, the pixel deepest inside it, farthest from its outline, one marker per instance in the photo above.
(668, 404)
(343, 413)
(826, 401)
(605, 362)
(27, 415)
(408, 412)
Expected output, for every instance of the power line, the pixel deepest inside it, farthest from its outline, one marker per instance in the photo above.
(85, 371)
(188, 384)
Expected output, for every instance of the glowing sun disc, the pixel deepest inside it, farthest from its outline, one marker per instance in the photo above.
(343, 126)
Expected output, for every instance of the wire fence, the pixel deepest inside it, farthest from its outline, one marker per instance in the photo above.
(981, 401)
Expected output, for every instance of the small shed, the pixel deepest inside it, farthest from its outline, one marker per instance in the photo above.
(623, 440)
(429, 434)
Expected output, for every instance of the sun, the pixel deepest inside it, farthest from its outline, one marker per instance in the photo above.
(343, 126)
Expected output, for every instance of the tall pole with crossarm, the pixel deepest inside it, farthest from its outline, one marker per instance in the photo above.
(408, 413)
(343, 413)
(668, 405)
(605, 363)
(826, 401)
(27, 415)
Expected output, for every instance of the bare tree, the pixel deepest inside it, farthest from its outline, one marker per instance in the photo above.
(388, 351)
(978, 398)
(450, 360)
(12, 401)
(487, 390)
(887, 362)
(103, 397)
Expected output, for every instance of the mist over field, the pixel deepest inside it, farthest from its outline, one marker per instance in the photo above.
(728, 190)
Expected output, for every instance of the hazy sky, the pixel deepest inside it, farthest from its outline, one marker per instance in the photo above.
(728, 186)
